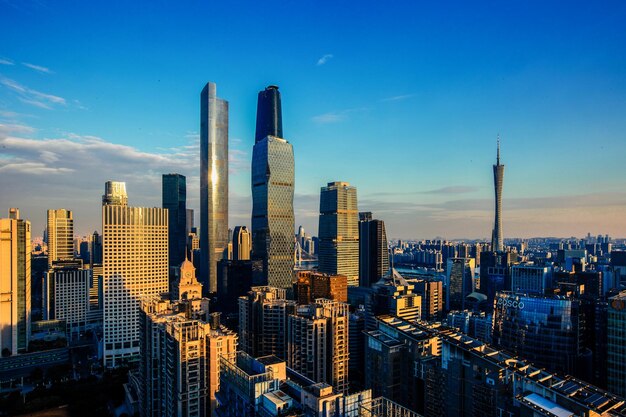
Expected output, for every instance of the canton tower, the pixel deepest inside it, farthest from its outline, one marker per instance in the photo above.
(497, 244)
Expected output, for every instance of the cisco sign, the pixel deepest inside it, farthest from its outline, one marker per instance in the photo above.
(509, 303)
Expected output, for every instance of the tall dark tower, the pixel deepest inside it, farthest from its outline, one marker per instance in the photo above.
(269, 119)
(497, 243)
(273, 179)
(174, 194)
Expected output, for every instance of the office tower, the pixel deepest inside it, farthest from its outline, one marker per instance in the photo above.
(459, 282)
(60, 230)
(545, 330)
(180, 362)
(431, 291)
(95, 252)
(318, 345)
(530, 278)
(339, 231)
(234, 279)
(213, 184)
(373, 250)
(67, 291)
(616, 344)
(272, 192)
(495, 273)
(356, 363)
(15, 284)
(242, 243)
(174, 196)
(263, 316)
(189, 221)
(497, 244)
(310, 285)
(134, 241)
(474, 324)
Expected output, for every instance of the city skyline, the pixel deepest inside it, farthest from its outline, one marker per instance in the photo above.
(562, 139)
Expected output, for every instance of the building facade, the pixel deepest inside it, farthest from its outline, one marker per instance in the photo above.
(135, 247)
(273, 179)
(15, 284)
(339, 231)
(242, 243)
(213, 184)
(616, 345)
(530, 278)
(311, 285)
(459, 282)
(60, 232)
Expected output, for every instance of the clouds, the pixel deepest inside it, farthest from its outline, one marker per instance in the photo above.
(335, 116)
(324, 59)
(33, 97)
(397, 98)
(37, 68)
(6, 61)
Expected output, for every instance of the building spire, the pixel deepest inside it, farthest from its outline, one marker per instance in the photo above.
(498, 158)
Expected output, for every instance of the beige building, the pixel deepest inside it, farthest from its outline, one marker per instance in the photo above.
(181, 350)
(15, 284)
(135, 265)
(60, 230)
(318, 345)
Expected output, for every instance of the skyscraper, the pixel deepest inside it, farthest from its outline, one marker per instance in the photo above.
(213, 184)
(339, 231)
(60, 230)
(134, 241)
(497, 244)
(272, 193)
(616, 346)
(175, 201)
(242, 243)
(15, 284)
(460, 282)
(373, 251)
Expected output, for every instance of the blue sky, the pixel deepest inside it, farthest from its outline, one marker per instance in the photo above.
(402, 99)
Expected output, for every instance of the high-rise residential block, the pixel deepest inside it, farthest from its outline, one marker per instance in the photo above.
(273, 177)
(497, 243)
(242, 243)
(174, 195)
(318, 345)
(459, 282)
(213, 184)
(373, 250)
(181, 350)
(339, 231)
(394, 295)
(60, 231)
(15, 284)
(263, 316)
(135, 246)
(431, 291)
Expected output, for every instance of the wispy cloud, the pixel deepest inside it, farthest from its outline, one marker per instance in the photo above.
(335, 116)
(324, 59)
(453, 189)
(398, 98)
(32, 97)
(37, 67)
(6, 61)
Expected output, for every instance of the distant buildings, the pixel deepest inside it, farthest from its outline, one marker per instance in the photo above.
(273, 179)
(135, 246)
(174, 195)
(460, 282)
(213, 184)
(15, 284)
(373, 250)
(310, 285)
(339, 231)
(60, 230)
(242, 243)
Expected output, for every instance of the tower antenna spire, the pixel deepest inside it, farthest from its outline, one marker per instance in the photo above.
(498, 158)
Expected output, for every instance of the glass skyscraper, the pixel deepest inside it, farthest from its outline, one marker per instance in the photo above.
(273, 223)
(213, 184)
(175, 201)
(373, 250)
(339, 231)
